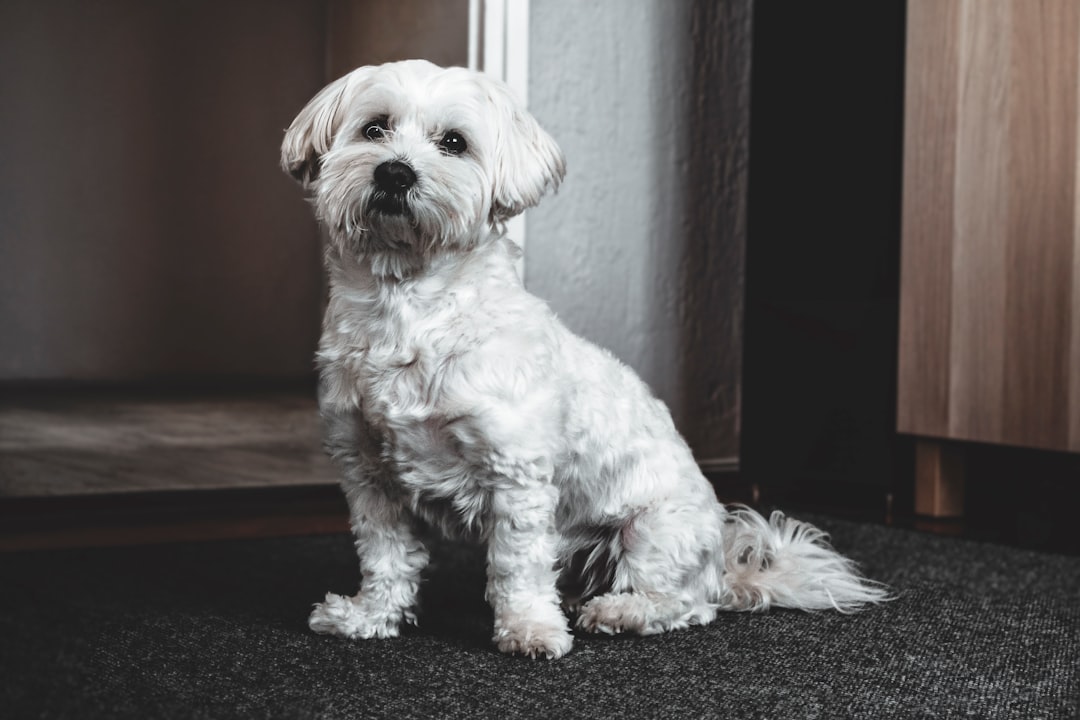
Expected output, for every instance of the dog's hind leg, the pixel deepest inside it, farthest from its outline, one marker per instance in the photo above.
(666, 572)
(644, 613)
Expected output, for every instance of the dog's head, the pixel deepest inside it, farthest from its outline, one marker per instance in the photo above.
(409, 156)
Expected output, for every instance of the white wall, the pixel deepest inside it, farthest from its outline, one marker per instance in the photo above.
(606, 80)
(615, 252)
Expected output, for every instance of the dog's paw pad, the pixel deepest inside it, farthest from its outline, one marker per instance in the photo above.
(534, 640)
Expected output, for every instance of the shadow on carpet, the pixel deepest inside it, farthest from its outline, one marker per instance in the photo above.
(218, 630)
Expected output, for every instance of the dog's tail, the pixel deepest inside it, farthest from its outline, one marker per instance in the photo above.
(783, 562)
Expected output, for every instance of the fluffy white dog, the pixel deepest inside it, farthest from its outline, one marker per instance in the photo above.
(454, 399)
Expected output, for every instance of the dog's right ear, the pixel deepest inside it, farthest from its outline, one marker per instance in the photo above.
(312, 132)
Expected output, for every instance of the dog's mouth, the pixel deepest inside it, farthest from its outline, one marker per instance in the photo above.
(384, 203)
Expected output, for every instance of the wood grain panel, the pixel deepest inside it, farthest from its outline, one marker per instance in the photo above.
(1042, 166)
(990, 274)
(977, 343)
(1074, 354)
(929, 142)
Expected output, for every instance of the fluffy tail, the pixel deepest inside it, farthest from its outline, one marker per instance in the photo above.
(787, 563)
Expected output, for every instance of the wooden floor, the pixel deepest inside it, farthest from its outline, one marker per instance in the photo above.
(103, 468)
(64, 444)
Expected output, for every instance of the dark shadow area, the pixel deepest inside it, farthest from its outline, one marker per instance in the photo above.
(823, 252)
(1023, 497)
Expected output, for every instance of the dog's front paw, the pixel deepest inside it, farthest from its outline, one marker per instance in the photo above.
(347, 617)
(534, 638)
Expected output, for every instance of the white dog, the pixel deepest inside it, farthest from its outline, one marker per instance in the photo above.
(454, 399)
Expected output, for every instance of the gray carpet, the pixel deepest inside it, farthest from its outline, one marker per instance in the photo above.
(217, 630)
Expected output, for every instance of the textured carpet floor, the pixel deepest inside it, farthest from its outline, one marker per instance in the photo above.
(217, 630)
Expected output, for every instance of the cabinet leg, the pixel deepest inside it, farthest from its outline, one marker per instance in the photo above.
(939, 479)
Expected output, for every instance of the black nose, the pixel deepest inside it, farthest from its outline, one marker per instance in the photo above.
(394, 177)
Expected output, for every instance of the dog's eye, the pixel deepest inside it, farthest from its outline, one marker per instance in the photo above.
(376, 129)
(453, 144)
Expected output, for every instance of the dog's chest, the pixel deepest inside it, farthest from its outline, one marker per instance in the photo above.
(406, 369)
(444, 383)
(402, 361)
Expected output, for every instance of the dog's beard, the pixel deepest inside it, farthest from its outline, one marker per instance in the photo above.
(400, 232)
(390, 204)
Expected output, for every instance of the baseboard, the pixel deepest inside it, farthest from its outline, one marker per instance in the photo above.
(853, 500)
(728, 481)
(720, 465)
(32, 523)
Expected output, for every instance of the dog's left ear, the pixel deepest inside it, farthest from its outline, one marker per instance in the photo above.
(527, 162)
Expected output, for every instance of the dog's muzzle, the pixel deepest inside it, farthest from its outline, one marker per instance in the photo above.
(392, 182)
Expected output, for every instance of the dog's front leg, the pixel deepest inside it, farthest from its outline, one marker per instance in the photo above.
(522, 575)
(391, 556)
(391, 560)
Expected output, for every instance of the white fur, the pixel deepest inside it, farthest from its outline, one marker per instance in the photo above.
(453, 398)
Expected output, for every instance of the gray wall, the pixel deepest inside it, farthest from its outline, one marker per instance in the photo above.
(641, 250)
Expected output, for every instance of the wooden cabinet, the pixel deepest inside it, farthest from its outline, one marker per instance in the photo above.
(990, 280)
